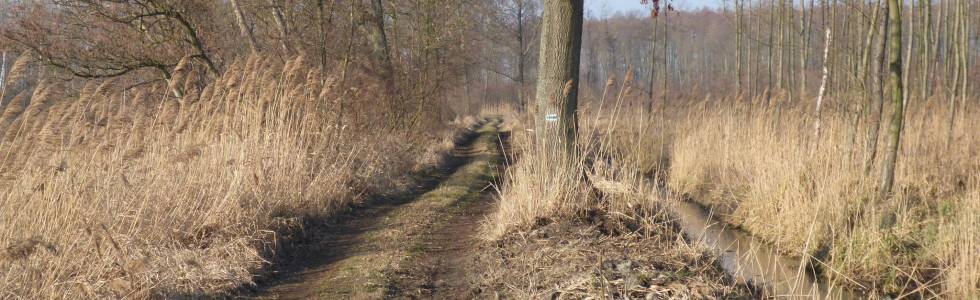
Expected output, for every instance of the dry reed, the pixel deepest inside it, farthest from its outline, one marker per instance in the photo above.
(111, 192)
(813, 198)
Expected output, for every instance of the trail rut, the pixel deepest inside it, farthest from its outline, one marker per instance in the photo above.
(419, 244)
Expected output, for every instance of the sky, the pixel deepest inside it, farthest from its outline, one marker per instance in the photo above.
(606, 7)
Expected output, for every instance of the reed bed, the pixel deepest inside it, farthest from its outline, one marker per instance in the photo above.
(764, 170)
(759, 166)
(113, 191)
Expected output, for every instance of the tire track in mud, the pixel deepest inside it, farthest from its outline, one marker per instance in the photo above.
(406, 246)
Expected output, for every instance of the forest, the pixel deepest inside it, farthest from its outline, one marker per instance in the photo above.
(474, 149)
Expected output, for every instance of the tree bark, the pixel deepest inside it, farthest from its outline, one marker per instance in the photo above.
(780, 40)
(322, 27)
(897, 94)
(653, 65)
(965, 52)
(952, 42)
(805, 51)
(666, 68)
(344, 70)
(282, 25)
(909, 49)
(926, 42)
(521, 53)
(3, 76)
(877, 108)
(738, 48)
(823, 87)
(557, 91)
(772, 53)
(195, 40)
(381, 48)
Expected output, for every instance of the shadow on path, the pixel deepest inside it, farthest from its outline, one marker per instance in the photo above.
(355, 245)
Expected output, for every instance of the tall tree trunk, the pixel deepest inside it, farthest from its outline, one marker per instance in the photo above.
(909, 49)
(756, 79)
(752, 56)
(868, 101)
(3, 76)
(521, 54)
(937, 39)
(806, 24)
(772, 53)
(926, 42)
(964, 50)
(953, 50)
(243, 26)
(653, 64)
(792, 46)
(379, 40)
(829, 39)
(664, 90)
(283, 26)
(322, 21)
(666, 67)
(898, 113)
(738, 48)
(780, 41)
(877, 109)
(348, 56)
(557, 92)
(831, 55)
(612, 62)
(865, 67)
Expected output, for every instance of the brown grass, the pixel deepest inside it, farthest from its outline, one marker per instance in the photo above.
(561, 224)
(110, 192)
(760, 167)
(812, 198)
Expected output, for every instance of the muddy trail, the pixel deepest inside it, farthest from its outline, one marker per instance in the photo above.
(418, 244)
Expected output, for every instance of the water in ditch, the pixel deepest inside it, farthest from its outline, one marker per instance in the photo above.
(751, 261)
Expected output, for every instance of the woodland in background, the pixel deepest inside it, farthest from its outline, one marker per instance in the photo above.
(119, 93)
(841, 132)
(260, 115)
(748, 48)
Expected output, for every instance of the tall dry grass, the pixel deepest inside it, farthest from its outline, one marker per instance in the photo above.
(119, 192)
(608, 176)
(763, 169)
(760, 168)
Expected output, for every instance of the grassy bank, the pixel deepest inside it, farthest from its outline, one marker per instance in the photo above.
(764, 170)
(761, 168)
(594, 226)
(113, 191)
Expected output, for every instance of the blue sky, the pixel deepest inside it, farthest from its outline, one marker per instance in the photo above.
(603, 7)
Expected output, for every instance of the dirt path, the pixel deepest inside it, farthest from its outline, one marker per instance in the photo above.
(446, 269)
(415, 245)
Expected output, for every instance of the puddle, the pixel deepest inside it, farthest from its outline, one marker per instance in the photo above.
(751, 261)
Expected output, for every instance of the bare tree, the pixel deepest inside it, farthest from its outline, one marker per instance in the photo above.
(520, 19)
(878, 99)
(99, 39)
(738, 48)
(282, 24)
(3, 75)
(823, 86)
(379, 43)
(653, 64)
(243, 26)
(897, 95)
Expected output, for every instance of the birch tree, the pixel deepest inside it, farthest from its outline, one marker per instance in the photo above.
(243, 26)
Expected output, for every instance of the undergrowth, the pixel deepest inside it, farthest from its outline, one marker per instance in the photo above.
(119, 191)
